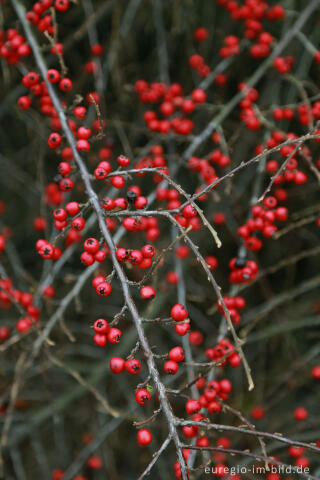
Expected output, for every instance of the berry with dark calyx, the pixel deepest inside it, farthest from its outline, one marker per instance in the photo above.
(24, 102)
(143, 396)
(133, 366)
(114, 335)
(100, 173)
(135, 257)
(105, 165)
(61, 5)
(59, 214)
(54, 140)
(148, 251)
(66, 184)
(78, 223)
(91, 245)
(122, 254)
(46, 251)
(53, 75)
(104, 289)
(108, 203)
(170, 367)
(65, 84)
(101, 326)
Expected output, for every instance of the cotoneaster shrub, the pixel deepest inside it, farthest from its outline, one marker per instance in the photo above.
(159, 239)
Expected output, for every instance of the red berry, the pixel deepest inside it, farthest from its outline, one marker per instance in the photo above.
(116, 365)
(189, 211)
(193, 406)
(144, 437)
(182, 328)
(54, 140)
(108, 203)
(114, 335)
(147, 292)
(104, 289)
(135, 257)
(78, 223)
(315, 372)
(24, 102)
(198, 95)
(179, 312)
(123, 161)
(91, 245)
(61, 5)
(132, 366)
(100, 339)
(122, 254)
(101, 326)
(65, 85)
(118, 181)
(200, 34)
(143, 396)
(170, 367)
(300, 413)
(176, 354)
(148, 251)
(87, 259)
(214, 407)
(72, 208)
(94, 462)
(53, 75)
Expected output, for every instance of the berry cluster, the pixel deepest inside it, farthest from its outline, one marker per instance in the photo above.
(234, 304)
(243, 270)
(224, 353)
(41, 16)
(9, 296)
(13, 46)
(124, 243)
